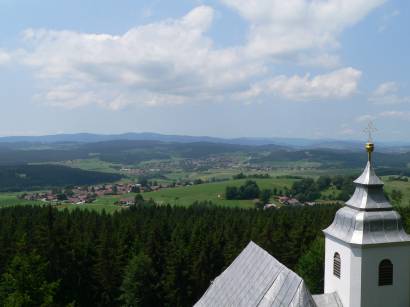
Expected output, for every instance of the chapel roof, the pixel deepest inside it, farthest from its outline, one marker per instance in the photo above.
(255, 278)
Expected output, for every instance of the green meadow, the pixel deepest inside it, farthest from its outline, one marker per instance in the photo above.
(402, 186)
(185, 196)
(92, 165)
(11, 200)
(96, 206)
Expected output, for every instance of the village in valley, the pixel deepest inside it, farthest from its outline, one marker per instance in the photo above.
(125, 194)
(88, 194)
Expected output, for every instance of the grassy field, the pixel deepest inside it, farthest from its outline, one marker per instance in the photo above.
(181, 196)
(92, 165)
(97, 206)
(185, 196)
(402, 186)
(104, 203)
(11, 200)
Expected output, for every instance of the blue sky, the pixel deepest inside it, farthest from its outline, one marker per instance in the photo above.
(227, 68)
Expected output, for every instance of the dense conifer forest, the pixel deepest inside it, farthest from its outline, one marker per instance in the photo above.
(147, 255)
(31, 177)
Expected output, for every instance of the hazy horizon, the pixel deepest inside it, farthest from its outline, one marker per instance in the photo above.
(360, 139)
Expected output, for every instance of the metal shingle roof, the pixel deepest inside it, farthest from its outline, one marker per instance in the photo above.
(327, 300)
(368, 217)
(368, 177)
(255, 278)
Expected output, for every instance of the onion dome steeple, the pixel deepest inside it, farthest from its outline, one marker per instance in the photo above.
(368, 217)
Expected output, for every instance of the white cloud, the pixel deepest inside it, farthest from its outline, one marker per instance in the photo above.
(4, 57)
(386, 20)
(390, 114)
(169, 62)
(325, 60)
(347, 132)
(175, 62)
(338, 84)
(279, 27)
(396, 115)
(365, 118)
(388, 93)
(386, 89)
(147, 12)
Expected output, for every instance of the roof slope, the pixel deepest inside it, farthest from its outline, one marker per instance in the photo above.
(327, 300)
(255, 278)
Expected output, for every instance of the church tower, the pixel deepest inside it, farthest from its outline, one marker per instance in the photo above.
(367, 253)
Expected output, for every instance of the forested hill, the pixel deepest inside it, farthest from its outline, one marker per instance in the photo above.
(294, 143)
(132, 152)
(120, 151)
(32, 177)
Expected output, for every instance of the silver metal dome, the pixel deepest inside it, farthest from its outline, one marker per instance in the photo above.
(368, 217)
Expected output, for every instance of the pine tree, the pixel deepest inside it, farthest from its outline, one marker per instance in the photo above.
(24, 283)
(311, 265)
(139, 283)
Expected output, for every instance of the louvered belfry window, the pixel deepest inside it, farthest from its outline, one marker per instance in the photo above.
(336, 265)
(385, 273)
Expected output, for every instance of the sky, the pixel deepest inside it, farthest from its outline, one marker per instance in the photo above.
(224, 68)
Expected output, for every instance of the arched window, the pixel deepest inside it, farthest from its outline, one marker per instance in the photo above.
(336, 265)
(385, 273)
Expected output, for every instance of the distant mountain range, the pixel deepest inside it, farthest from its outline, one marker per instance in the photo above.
(295, 143)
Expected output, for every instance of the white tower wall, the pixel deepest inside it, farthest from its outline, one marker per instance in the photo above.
(348, 285)
(358, 283)
(395, 295)
(365, 232)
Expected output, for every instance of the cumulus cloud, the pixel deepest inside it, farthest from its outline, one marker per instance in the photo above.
(390, 114)
(279, 27)
(169, 62)
(4, 57)
(365, 118)
(396, 115)
(347, 132)
(388, 93)
(312, 59)
(175, 61)
(387, 19)
(338, 84)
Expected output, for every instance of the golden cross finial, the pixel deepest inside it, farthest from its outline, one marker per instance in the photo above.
(369, 130)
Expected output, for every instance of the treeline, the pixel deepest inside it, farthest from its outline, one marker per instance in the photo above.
(309, 189)
(243, 176)
(249, 190)
(144, 256)
(389, 163)
(32, 177)
(304, 189)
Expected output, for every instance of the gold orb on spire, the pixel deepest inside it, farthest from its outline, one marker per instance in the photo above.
(370, 145)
